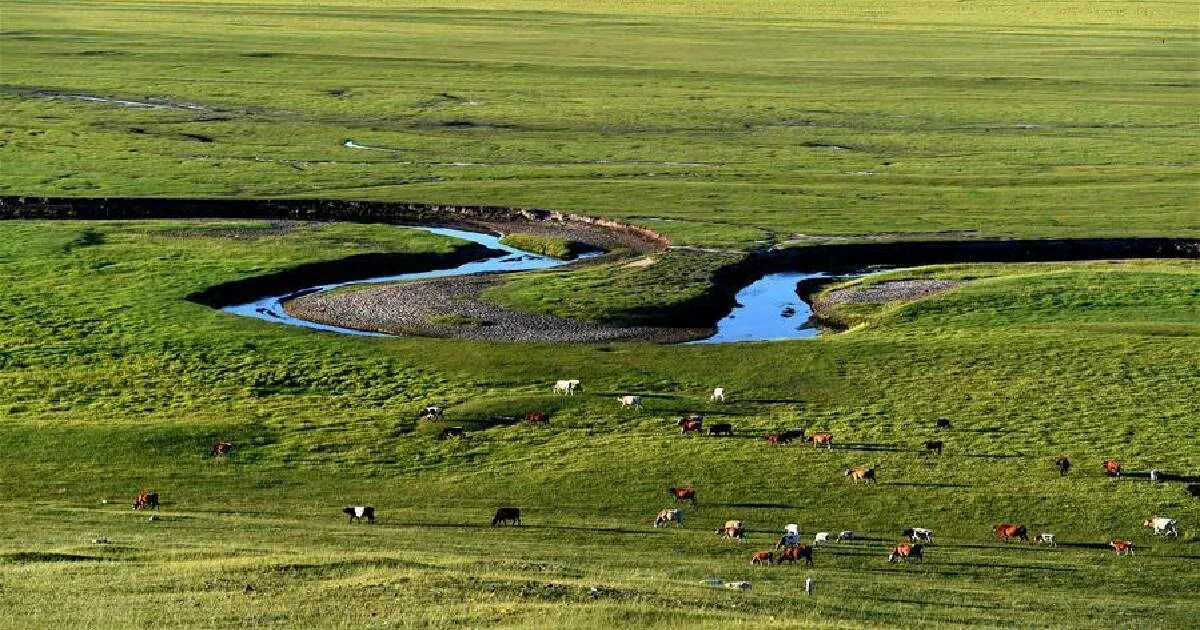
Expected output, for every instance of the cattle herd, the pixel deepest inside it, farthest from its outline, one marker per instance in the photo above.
(789, 547)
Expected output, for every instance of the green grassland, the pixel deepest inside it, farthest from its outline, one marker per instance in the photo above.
(111, 382)
(738, 122)
(560, 248)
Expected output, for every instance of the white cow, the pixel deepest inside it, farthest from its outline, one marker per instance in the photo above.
(919, 534)
(666, 517)
(821, 537)
(630, 401)
(717, 395)
(567, 388)
(791, 536)
(1049, 539)
(845, 535)
(1163, 525)
(433, 413)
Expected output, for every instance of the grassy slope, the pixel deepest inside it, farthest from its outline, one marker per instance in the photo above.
(1061, 118)
(109, 382)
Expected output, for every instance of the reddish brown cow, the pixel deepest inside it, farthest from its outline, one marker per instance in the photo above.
(777, 438)
(1122, 547)
(690, 424)
(146, 500)
(823, 439)
(792, 554)
(221, 448)
(683, 494)
(763, 557)
(861, 474)
(906, 551)
(1008, 531)
(537, 417)
(1111, 467)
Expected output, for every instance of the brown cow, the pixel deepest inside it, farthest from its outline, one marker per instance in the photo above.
(221, 448)
(146, 500)
(1064, 466)
(792, 554)
(906, 551)
(690, 424)
(861, 473)
(777, 438)
(1008, 531)
(1111, 467)
(823, 439)
(763, 557)
(537, 417)
(1122, 547)
(683, 494)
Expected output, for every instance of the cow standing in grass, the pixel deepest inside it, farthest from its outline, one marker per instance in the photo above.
(906, 551)
(221, 448)
(146, 501)
(792, 554)
(1111, 467)
(823, 439)
(567, 387)
(1008, 531)
(666, 517)
(1064, 466)
(507, 515)
(1122, 547)
(683, 494)
(861, 473)
(360, 512)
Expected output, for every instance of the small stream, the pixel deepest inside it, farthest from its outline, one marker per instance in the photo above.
(767, 309)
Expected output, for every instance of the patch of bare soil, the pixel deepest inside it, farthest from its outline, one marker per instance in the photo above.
(900, 290)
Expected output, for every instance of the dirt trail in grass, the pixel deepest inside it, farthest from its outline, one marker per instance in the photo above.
(455, 307)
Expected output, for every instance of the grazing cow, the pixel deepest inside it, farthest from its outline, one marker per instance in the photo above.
(906, 551)
(359, 512)
(918, 534)
(221, 448)
(1008, 531)
(1111, 467)
(1049, 539)
(507, 515)
(690, 424)
(942, 423)
(1162, 525)
(934, 445)
(453, 432)
(790, 538)
(1193, 489)
(666, 517)
(717, 395)
(777, 438)
(537, 417)
(431, 413)
(567, 388)
(723, 428)
(823, 439)
(792, 554)
(861, 473)
(1064, 465)
(683, 494)
(146, 501)
(763, 557)
(732, 530)
(1122, 547)
(845, 535)
(821, 537)
(630, 401)
(794, 433)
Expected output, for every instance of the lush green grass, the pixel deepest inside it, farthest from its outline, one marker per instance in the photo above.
(111, 382)
(539, 244)
(738, 121)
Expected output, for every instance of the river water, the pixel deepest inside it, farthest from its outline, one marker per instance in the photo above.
(767, 309)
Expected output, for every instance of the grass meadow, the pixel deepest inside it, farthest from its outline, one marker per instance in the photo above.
(724, 125)
(111, 382)
(739, 122)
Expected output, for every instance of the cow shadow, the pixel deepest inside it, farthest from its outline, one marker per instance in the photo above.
(1022, 567)
(981, 430)
(754, 505)
(925, 485)
(1162, 476)
(994, 455)
(772, 401)
(866, 446)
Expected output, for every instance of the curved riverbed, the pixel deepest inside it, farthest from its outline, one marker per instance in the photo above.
(767, 309)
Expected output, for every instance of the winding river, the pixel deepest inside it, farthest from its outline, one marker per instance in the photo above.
(767, 309)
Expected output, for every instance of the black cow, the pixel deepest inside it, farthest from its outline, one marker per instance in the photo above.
(359, 512)
(934, 445)
(1194, 489)
(452, 432)
(942, 423)
(507, 514)
(725, 429)
(795, 433)
(1064, 465)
